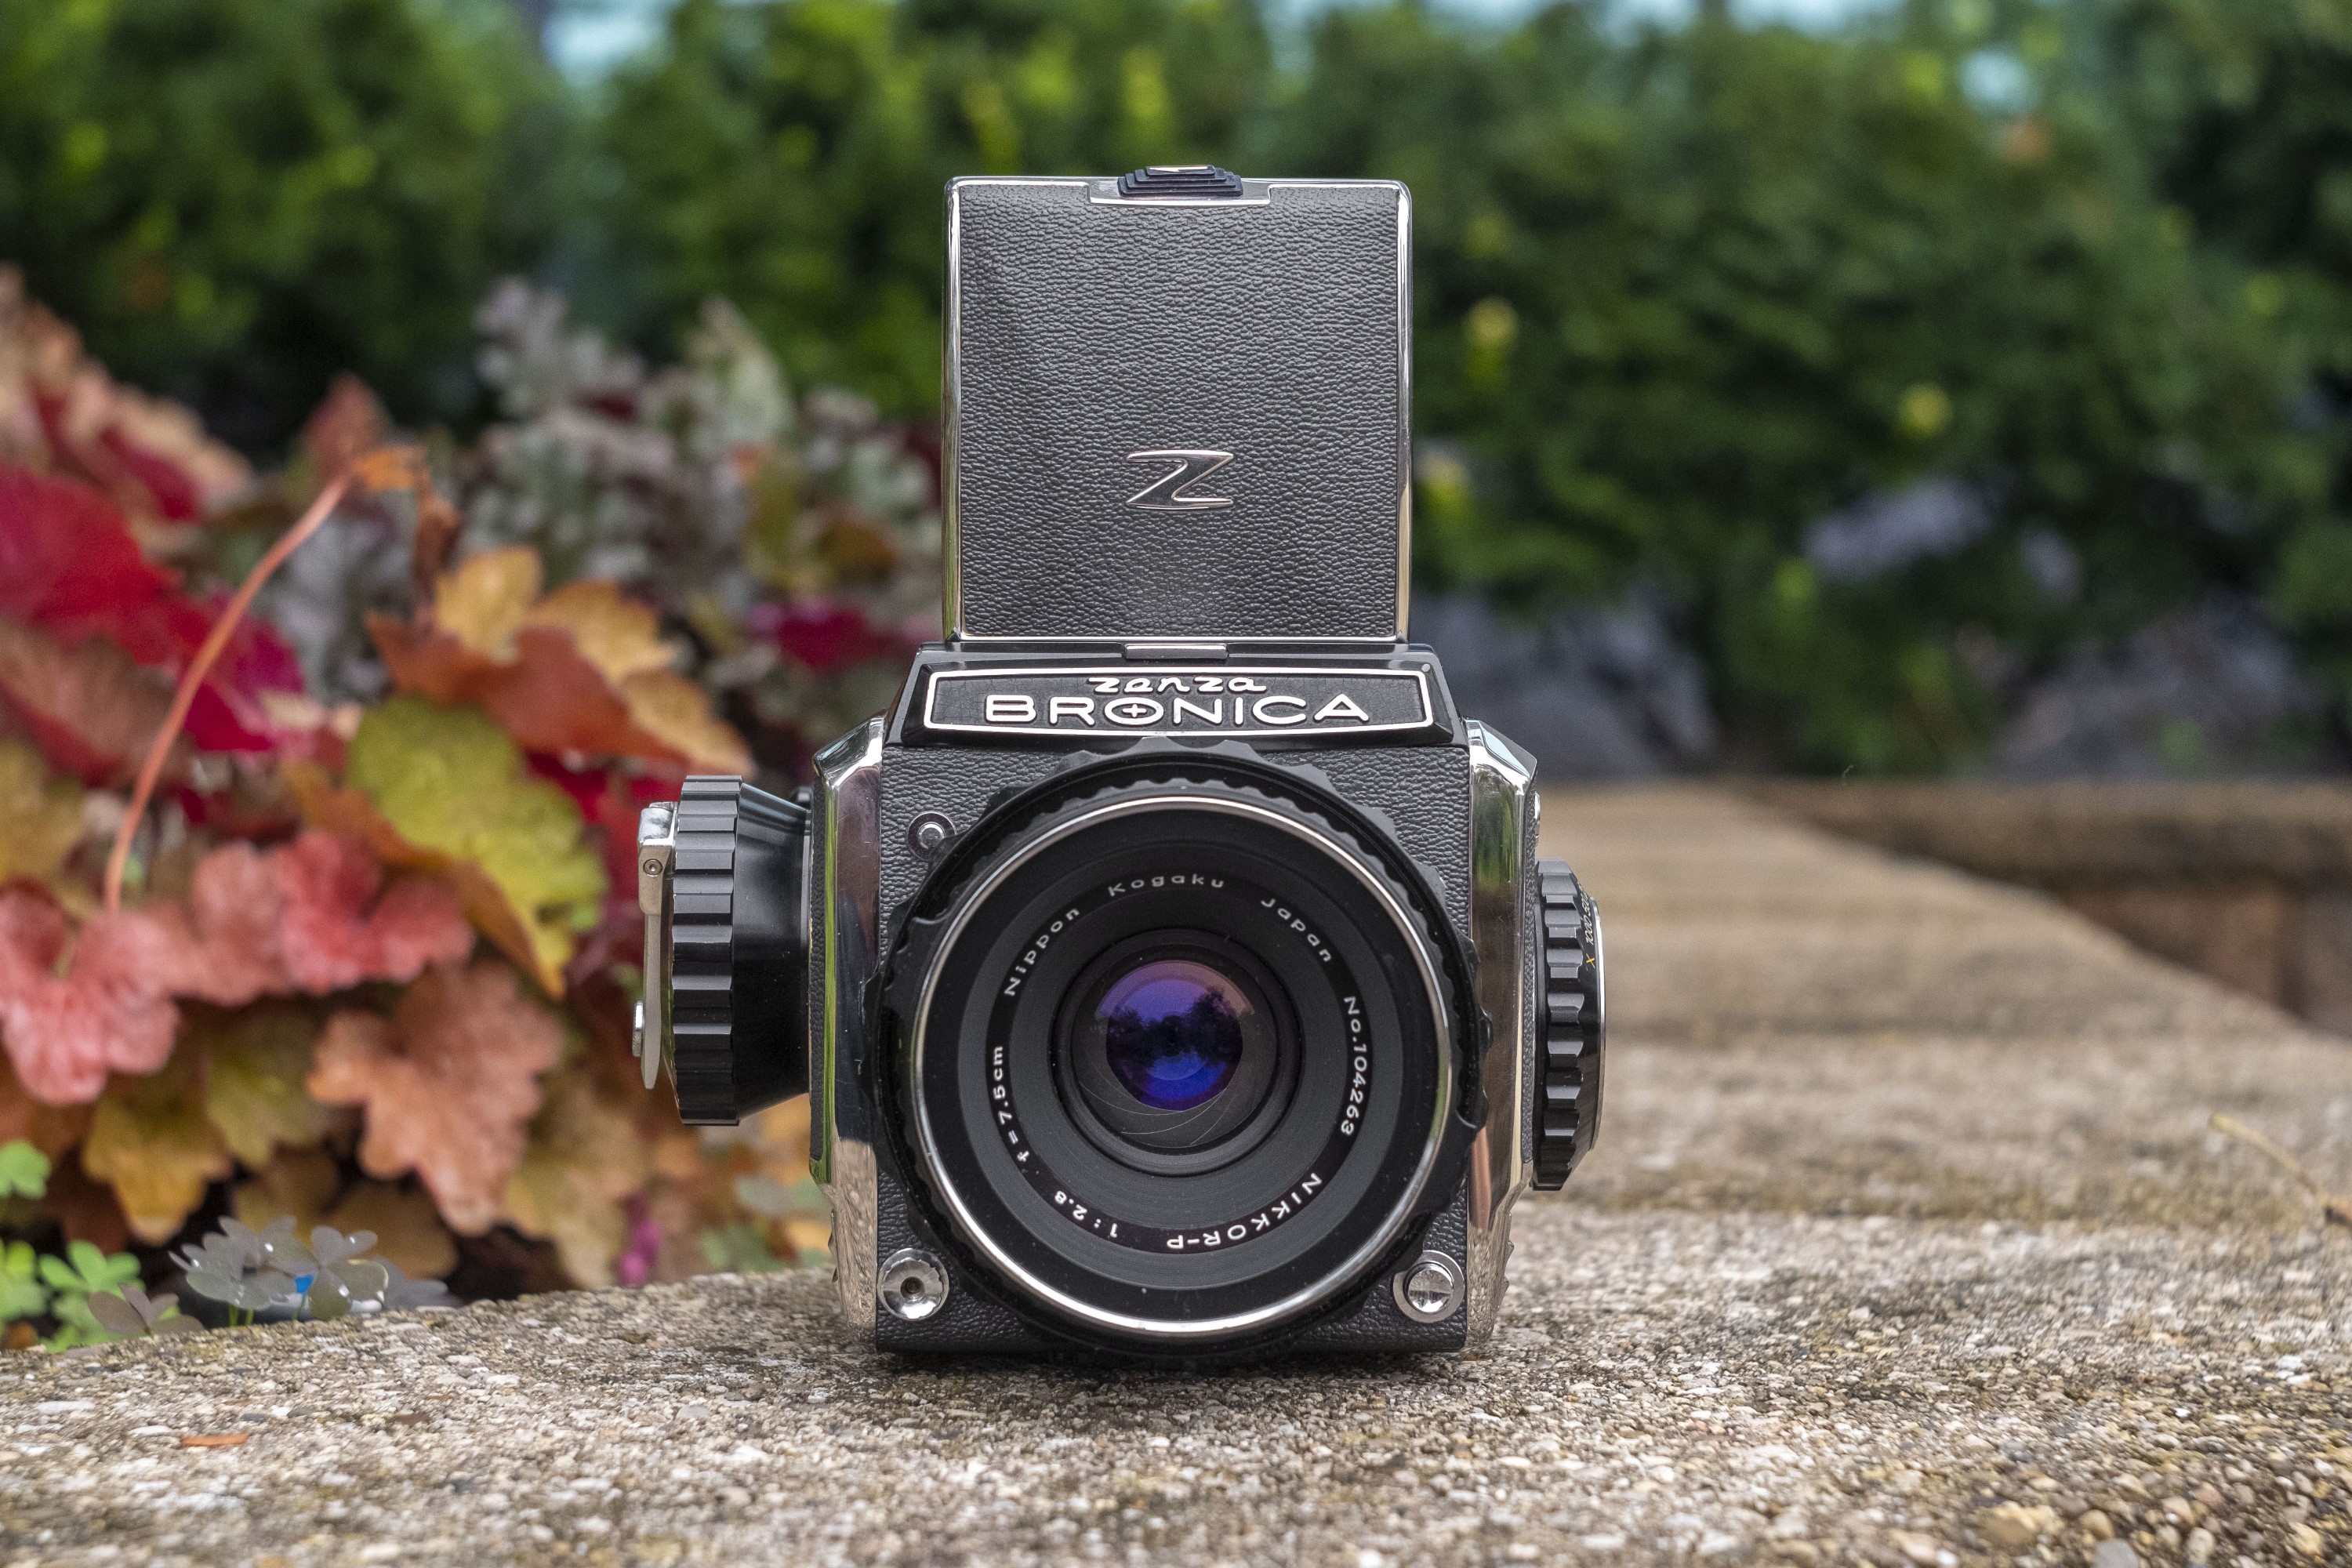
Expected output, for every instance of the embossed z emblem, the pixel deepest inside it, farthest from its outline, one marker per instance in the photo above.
(1193, 466)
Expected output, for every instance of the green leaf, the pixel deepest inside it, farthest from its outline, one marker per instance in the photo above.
(328, 1298)
(84, 1269)
(453, 792)
(23, 1170)
(253, 1089)
(21, 1294)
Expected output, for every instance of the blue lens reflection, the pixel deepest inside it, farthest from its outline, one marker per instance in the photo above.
(1173, 1032)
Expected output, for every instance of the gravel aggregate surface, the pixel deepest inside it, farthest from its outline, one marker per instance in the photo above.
(1908, 1243)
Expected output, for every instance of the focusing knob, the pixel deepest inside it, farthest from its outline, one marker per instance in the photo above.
(1574, 1026)
(726, 969)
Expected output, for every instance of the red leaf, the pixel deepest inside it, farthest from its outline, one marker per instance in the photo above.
(170, 489)
(70, 568)
(67, 564)
(609, 801)
(302, 918)
(88, 707)
(229, 713)
(346, 427)
(329, 935)
(66, 1033)
(312, 916)
(827, 637)
(152, 456)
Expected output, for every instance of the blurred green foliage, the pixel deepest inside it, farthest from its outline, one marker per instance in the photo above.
(2243, 111)
(789, 157)
(234, 199)
(1681, 296)
(1681, 292)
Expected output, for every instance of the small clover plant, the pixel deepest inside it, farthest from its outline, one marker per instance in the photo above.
(251, 1270)
(21, 1294)
(23, 1170)
(83, 1272)
(130, 1315)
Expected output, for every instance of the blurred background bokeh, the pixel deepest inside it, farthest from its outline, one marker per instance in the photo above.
(1957, 385)
(1957, 389)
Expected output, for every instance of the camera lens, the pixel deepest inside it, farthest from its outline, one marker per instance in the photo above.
(1172, 1031)
(1179, 1062)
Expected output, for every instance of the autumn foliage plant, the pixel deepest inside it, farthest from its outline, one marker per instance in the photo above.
(315, 907)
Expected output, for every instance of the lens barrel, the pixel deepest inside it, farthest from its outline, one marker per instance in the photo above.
(1177, 1056)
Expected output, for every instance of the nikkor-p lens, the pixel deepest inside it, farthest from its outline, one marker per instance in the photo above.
(1177, 1056)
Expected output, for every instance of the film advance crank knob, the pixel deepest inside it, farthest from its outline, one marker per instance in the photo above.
(718, 881)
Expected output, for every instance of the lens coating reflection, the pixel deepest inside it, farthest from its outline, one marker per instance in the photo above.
(1173, 1032)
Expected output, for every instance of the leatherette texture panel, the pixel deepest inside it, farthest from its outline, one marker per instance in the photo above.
(1423, 790)
(1376, 1325)
(1086, 331)
(970, 1321)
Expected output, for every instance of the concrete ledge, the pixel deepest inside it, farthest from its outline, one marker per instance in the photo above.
(2250, 883)
(1907, 1244)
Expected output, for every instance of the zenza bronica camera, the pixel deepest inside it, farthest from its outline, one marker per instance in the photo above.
(1170, 969)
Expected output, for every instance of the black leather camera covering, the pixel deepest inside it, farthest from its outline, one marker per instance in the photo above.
(1084, 329)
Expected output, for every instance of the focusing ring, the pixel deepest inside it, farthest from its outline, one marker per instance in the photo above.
(1575, 1025)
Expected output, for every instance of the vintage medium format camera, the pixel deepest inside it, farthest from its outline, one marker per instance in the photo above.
(1170, 969)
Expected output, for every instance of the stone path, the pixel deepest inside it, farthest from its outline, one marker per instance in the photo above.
(1907, 1244)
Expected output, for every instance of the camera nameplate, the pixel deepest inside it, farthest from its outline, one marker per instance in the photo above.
(1227, 702)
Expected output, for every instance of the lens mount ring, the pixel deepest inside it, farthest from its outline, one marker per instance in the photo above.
(1370, 887)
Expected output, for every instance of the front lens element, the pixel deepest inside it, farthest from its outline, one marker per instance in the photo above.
(1172, 1031)
(1175, 1049)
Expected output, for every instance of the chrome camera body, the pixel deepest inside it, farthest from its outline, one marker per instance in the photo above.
(1170, 970)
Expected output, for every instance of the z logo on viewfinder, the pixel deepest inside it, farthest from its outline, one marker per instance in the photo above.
(1166, 493)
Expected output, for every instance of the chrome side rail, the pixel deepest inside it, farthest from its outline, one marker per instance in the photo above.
(1504, 814)
(842, 901)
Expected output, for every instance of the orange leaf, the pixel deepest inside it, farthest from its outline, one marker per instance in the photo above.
(583, 669)
(150, 1141)
(620, 636)
(408, 1233)
(450, 1082)
(583, 1157)
(213, 1439)
(298, 1183)
(51, 1128)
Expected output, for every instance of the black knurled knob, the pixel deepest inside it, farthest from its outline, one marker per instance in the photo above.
(1572, 1024)
(737, 973)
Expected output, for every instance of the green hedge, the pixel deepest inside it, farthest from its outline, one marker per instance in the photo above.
(234, 199)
